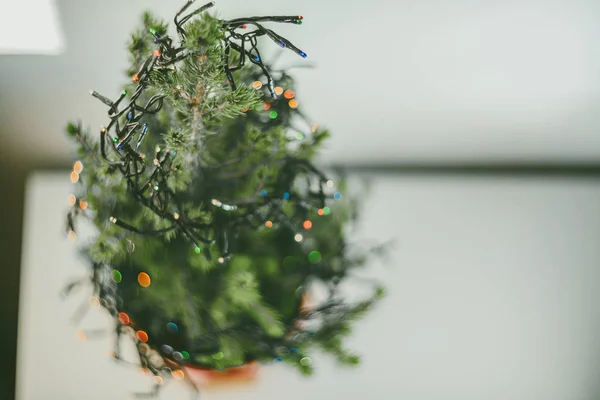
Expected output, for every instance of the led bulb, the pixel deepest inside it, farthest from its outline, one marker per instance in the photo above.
(78, 167)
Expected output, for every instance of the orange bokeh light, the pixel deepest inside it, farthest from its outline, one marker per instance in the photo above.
(81, 336)
(321, 212)
(142, 336)
(124, 318)
(78, 167)
(72, 200)
(74, 177)
(94, 301)
(257, 84)
(289, 94)
(267, 105)
(293, 103)
(278, 90)
(144, 279)
(178, 374)
(269, 224)
(83, 205)
(307, 224)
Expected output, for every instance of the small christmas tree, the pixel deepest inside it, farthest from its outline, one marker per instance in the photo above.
(213, 224)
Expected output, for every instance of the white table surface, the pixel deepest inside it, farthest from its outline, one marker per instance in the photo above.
(494, 293)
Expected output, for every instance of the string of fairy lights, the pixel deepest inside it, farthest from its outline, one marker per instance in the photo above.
(120, 147)
(151, 190)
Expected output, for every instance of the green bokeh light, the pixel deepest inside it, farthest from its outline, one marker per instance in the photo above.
(116, 275)
(314, 257)
(305, 362)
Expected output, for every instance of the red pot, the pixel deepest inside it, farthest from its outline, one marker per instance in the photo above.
(204, 378)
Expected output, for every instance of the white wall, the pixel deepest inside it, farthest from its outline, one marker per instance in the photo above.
(494, 293)
(396, 81)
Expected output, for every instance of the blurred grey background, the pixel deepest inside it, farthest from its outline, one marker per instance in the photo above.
(499, 89)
